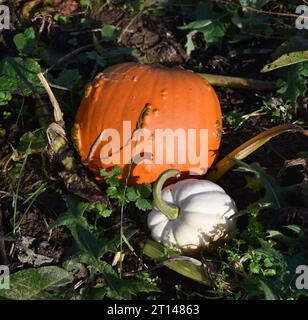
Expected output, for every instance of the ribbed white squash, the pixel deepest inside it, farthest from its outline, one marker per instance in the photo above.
(204, 209)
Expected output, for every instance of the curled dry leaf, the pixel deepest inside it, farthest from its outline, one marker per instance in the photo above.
(247, 148)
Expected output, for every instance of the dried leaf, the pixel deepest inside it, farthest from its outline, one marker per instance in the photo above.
(247, 148)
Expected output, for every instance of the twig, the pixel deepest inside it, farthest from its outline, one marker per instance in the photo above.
(75, 33)
(239, 83)
(56, 107)
(261, 51)
(69, 56)
(287, 15)
(74, 53)
(52, 85)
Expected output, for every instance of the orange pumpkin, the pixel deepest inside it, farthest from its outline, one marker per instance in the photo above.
(175, 99)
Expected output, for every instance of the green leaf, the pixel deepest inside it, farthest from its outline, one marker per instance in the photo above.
(196, 25)
(274, 194)
(61, 19)
(132, 194)
(276, 257)
(292, 81)
(145, 190)
(85, 2)
(269, 295)
(25, 42)
(286, 60)
(75, 221)
(213, 33)
(144, 204)
(37, 283)
(18, 76)
(108, 32)
(74, 215)
(87, 242)
(5, 97)
(93, 55)
(116, 171)
(294, 85)
(291, 242)
(114, 244)
(139, 196)
(209, 23)
(186, 266)
(68, 78)
(303, 69)
(112, 177)
(126, 289)
(38, 141)
(237, 20)
(295, 229)
(101, 209)
(211, 30)
(157, 251)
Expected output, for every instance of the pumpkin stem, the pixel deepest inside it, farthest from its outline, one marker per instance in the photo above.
(171, 212)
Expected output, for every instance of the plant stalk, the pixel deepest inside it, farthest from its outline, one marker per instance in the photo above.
(238, 83)
(171, 212)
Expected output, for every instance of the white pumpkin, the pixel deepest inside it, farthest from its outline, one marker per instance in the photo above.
(190, 213)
